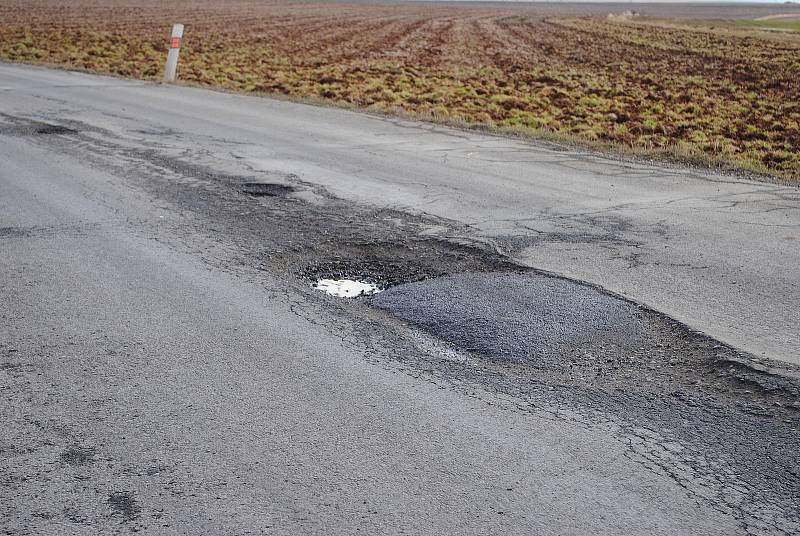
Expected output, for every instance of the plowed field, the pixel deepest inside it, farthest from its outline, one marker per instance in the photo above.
(709, 90)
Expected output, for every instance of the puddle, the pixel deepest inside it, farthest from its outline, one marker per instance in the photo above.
(346, 288)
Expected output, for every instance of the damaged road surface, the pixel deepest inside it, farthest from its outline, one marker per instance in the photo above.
(195, 340)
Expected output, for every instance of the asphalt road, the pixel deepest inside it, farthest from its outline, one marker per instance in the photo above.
(163, 372)
(719, 254)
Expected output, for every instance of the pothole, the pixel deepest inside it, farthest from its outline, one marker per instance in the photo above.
(35, 129)
(53, 129)
(346, 288)
(267, 189)
(384, 273)
(364, 277)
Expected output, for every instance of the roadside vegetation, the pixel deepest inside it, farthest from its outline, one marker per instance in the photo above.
(722, 93)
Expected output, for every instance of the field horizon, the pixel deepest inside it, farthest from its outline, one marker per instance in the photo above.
(713, 85)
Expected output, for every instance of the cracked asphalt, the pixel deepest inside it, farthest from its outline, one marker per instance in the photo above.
(166, 367)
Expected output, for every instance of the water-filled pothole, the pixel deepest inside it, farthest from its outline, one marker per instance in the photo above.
(267, 189)
(346, 288)
(385, 273)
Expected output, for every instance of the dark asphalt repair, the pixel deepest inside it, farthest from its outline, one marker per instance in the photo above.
(515, 316)
(687, 405)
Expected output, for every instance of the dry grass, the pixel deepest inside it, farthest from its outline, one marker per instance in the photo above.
(722, 94)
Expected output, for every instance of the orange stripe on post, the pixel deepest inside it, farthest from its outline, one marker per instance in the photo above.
(171, 68)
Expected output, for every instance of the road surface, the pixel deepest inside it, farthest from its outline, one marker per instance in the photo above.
(716, 253)
(166, 369)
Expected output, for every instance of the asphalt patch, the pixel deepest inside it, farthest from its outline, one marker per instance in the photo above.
(515, 316)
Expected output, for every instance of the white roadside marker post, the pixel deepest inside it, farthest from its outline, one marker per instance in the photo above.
(172, 56)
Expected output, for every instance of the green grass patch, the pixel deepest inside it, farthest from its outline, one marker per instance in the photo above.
(781, 24)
